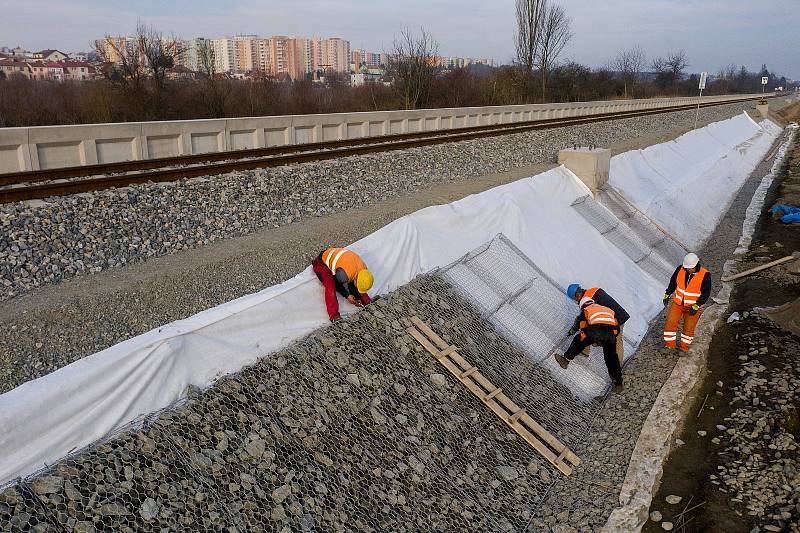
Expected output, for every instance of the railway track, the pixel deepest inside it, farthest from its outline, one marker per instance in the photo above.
(29, 185)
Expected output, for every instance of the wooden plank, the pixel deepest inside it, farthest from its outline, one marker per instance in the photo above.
(446, 352)
(516, 416)
(488, 400)
(492, 394)
(759, 268)
(507, 402)
(423, 327)
(468, 372)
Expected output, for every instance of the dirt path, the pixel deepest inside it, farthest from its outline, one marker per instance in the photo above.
(740, 450)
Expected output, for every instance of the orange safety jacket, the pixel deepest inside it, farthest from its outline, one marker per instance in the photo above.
(594, 314)
(343, 258)
(589, 293)
(686, 295)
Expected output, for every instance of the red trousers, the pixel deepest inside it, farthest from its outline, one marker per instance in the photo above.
(674, 315)
(330, 285)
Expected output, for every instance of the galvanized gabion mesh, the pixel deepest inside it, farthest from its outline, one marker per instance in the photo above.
(532, 312)
(353, 428)
(630, 231)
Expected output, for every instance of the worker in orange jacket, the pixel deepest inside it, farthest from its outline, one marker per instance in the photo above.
(343, 271)
(690, 287)
(598, 325)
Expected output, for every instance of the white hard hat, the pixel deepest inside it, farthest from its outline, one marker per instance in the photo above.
(691, 260)
(585, 301)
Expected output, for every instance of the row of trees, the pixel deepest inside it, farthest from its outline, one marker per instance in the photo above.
(135, 86)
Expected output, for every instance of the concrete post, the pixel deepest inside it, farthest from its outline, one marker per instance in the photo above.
(590, 165)
(763, 109)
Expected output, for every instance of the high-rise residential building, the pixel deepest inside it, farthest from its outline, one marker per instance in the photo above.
(191, 53)
(224, 54)
(246, 53)
(119, 48)
(336, 54)
(360, 58)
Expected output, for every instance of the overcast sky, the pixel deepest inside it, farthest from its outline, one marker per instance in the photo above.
(713, 33)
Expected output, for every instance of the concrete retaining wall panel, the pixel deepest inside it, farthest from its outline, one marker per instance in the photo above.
(116, 150)
(14, 155)
(63, 154)
(163, 146)
(57, 146)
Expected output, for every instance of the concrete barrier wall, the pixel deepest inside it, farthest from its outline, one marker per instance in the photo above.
(45, 147)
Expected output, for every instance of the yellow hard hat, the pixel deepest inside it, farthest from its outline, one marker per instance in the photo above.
(363, 280)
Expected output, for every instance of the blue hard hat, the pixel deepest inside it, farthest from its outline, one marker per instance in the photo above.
(572, 289)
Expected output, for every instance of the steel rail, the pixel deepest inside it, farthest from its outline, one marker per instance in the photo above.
(270, 157)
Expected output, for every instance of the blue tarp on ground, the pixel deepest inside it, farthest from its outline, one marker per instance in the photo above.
(790, 213)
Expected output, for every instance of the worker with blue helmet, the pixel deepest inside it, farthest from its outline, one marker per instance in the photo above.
(601, 297)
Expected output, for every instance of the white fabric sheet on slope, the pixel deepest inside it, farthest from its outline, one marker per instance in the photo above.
(42, 420)
(685, 185)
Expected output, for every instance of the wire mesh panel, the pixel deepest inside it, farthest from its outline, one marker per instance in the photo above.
(631, 232)
(134, 482)
(20, 510)
(666, 246)
(536, 319)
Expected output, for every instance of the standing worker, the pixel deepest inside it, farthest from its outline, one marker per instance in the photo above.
(691, 284)
(576, 292)
(598, 325)
(339, 269)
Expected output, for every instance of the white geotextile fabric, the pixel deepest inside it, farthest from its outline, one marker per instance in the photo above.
(686, 185)
(45, 419)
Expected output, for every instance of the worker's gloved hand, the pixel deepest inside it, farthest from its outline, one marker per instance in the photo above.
(571, 331)
(336, 318)
(352, 300)
(665, 300)
(693, 310)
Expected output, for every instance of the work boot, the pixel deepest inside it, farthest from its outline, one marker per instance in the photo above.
(618, 385)
(562, 361)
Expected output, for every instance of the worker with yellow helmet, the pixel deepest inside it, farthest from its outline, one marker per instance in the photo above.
(343, 271)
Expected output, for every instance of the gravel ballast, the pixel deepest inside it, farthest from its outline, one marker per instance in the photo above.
(90, 232)
(354, 427)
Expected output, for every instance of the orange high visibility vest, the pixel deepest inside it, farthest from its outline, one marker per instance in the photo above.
(597, 314)
(687, 295)
(343, 258)
(589, 293)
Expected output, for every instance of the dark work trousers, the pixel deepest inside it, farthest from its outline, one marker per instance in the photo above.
(605, 336)
(331, 286)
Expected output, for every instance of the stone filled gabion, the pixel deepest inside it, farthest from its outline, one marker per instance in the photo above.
(90, 232)
(354, 428)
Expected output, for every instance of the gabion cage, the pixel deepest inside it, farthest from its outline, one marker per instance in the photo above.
(633, 233)
(353, 428)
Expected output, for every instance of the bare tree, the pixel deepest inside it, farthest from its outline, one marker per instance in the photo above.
(123, 58)
(530, 15)
(412, 66)
(214, 93)
(160, 53)
(669, 70)
(556, 34)
(629, 63)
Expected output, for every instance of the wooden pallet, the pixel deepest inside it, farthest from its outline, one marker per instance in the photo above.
(493, 397)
